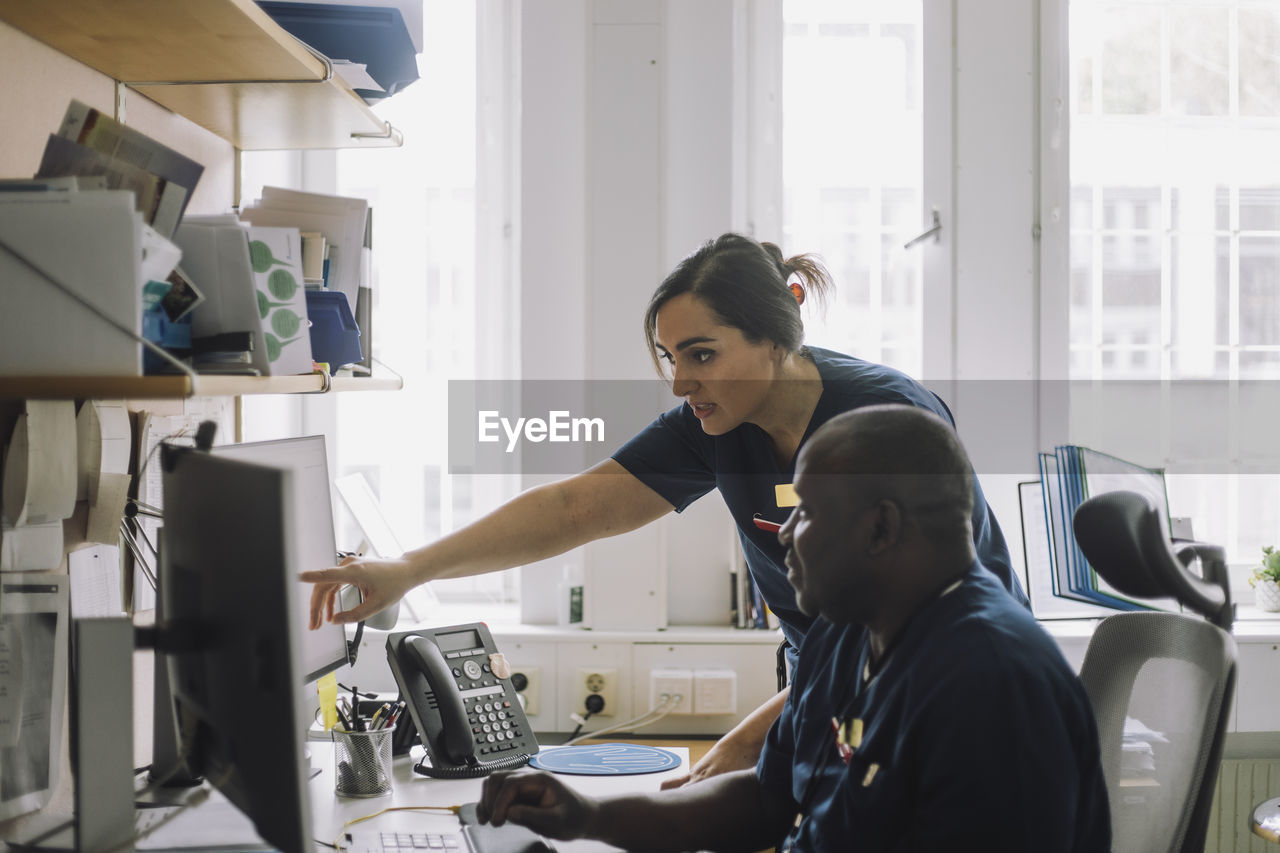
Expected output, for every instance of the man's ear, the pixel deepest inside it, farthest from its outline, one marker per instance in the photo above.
(887, 526)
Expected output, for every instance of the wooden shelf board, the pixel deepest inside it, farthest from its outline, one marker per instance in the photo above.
(367, 383)
(98, 387)
(224, 64)
(146, 40)
(170, 387)
(272, 116)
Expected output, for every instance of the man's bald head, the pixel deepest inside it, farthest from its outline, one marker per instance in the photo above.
(904, 454)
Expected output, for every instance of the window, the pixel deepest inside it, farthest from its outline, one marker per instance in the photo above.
(852, 176)
(427, 288)
(1175, 225)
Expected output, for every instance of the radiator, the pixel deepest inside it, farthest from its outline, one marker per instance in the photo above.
(1242, 784)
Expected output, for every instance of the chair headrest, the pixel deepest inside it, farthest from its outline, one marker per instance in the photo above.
(1122, 537)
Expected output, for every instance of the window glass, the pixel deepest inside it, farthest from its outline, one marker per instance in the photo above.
(852, 176)
(1175, 225)
(423, 197)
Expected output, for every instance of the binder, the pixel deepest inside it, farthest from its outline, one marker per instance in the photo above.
(1068, 477)
(1038, 544)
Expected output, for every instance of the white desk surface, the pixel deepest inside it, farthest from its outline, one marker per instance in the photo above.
(329, 811)
(217, 824)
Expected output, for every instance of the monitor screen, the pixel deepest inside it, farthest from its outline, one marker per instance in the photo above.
(229, 604)
(325, 649)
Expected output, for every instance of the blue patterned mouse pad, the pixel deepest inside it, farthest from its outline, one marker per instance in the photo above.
(606, 759)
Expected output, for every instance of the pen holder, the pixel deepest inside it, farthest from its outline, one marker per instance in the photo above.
(362, 762)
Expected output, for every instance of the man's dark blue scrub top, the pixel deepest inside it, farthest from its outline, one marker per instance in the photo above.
(675, 458)
(974, 735)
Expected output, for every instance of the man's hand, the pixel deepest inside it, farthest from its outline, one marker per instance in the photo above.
(537, 800)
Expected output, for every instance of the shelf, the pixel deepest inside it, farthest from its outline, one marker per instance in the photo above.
(223, 64)
(168, 387)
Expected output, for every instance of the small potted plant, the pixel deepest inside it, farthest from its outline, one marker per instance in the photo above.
(1265, 581)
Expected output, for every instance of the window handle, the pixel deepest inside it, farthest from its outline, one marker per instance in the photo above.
(933, 232)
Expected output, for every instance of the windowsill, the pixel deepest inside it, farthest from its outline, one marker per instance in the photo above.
(504, 622)
(1250, 622)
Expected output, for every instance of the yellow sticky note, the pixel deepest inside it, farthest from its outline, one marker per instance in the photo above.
(785, 495)
(327, 689)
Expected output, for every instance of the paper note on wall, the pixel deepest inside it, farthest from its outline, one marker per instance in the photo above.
(34, 608)
(152, 430)
(10, 685)
(40, 464)
(95, 582)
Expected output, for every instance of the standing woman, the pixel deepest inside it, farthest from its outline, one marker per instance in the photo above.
(726, 322)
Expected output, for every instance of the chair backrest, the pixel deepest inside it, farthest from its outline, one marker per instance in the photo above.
(1160, 683)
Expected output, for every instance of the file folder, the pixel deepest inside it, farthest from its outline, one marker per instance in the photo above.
(1068, 477)
(90, 243)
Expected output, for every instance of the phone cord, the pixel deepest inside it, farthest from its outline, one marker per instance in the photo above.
(470, 771)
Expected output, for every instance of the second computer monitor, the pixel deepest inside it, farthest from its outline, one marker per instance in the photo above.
(324, 649)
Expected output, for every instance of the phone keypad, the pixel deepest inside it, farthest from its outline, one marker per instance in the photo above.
(494, 724)
(495, 727)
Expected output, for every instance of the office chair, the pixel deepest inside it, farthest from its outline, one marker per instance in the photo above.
(1160, 683)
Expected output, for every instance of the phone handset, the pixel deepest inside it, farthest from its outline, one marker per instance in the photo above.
(455, 738)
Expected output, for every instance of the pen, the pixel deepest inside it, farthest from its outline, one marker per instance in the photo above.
(395, 715)
(765, 524)
(379, 715)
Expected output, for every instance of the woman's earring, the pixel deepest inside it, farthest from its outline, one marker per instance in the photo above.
(797, 290)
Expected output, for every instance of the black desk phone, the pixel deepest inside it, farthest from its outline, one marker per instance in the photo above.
(466, 713)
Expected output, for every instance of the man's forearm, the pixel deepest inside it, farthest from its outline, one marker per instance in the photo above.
(728, 812)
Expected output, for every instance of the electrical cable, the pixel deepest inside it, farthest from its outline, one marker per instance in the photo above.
(630, 725)
(581, 721)
(337, 844)
(668, 704)
(195, 798)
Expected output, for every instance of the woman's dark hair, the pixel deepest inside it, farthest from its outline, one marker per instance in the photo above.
(746, 285)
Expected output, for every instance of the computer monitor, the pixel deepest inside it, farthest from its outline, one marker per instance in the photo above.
(234, 637)
(324, 649)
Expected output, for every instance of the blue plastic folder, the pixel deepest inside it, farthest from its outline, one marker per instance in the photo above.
(1068, 477)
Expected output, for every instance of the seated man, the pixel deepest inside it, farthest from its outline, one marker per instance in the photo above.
(928, 711)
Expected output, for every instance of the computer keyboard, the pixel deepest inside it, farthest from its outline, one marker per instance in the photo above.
(372, 841)
(473, 838)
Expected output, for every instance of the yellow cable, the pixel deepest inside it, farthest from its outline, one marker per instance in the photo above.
(438, 809)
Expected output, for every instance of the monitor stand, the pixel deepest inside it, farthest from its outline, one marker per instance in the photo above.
(165, 758)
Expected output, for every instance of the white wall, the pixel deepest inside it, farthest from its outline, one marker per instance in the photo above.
(626, 125)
